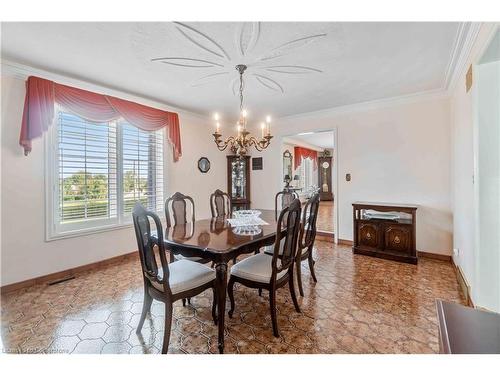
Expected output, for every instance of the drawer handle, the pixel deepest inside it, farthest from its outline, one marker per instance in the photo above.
(368, 235)
(397, 239)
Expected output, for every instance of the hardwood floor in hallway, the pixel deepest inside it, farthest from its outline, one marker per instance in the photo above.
(325, 216)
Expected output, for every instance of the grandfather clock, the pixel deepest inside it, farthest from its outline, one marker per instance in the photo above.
(325, 178)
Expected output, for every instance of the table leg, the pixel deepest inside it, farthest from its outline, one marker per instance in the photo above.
(221, 273)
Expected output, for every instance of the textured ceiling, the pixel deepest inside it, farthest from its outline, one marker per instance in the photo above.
(293, 67)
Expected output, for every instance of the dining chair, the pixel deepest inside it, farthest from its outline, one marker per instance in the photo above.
(307, 236)
(220, 203)
(176, 212)
(262, 271)
(169, 282)
(284, 197)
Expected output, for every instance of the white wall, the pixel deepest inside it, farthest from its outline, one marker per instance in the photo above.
(463, 166)
(394, 154)
(488, 182)
(24, 252)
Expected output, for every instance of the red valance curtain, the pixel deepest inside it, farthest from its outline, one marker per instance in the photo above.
(42, 94)
(302, 152)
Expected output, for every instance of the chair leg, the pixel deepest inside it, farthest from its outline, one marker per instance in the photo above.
(274, 319)
(189, 301)
(184, 302)
(172, 257)
(168, 326)
(146, 306)
(230, 287)
(292, 291)
(214, 306)
(311, 265)
(260, 292)
(299, 276)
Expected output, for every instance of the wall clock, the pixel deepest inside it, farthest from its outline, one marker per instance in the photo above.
(204, 164)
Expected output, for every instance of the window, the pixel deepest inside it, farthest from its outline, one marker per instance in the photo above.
(306, 173)
(98, 171)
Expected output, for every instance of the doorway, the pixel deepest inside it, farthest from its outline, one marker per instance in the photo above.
(308, 167)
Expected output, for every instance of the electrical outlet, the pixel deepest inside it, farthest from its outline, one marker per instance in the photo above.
(455, 253)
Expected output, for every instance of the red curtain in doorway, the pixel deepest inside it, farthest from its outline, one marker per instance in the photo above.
(302, 152)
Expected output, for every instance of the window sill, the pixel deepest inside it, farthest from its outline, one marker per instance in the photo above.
(86, 232)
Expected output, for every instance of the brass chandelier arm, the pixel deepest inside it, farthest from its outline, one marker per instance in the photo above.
(222, 145)
(260, 145)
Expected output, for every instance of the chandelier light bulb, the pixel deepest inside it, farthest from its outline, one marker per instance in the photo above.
(216, 116)
(244, 113)
(268, 119)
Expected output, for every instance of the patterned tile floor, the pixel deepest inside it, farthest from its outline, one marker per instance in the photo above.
(359, 305)
(325, 216)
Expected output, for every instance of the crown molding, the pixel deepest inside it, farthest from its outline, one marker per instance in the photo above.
(466, 37)
(23, 71)
(375, 104)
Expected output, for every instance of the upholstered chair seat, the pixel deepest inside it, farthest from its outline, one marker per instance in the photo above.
(185, 275)
(256, 268)
(192, 259)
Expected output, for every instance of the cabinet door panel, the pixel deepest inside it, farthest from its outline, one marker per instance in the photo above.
(397, 238)
(368, 235)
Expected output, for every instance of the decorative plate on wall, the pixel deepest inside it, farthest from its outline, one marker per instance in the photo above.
(204, 164)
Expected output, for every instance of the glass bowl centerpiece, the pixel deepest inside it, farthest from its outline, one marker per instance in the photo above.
(246, 214)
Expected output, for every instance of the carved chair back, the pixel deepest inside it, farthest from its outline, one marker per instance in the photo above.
(308, 225)
(289, 220)
(145, 222)
(176, 210)
(284, 197)
(220, 203)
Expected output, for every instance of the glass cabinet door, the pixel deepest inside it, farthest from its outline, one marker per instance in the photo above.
(238, 173)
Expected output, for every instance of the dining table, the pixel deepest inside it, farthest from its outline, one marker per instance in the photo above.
(217, 240)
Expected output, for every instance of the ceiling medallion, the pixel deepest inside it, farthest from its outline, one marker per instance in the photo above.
(218, 64)
(240, 144)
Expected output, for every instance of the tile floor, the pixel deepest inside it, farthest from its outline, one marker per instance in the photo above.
(360, 305)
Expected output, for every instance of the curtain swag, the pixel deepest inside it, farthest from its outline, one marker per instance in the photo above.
(42, 94)
(301, 152)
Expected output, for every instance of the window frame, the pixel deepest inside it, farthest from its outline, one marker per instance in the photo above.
(55, 230)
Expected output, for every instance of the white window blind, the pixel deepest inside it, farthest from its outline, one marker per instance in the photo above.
(142, 168)
(87, 169)
(100, 171)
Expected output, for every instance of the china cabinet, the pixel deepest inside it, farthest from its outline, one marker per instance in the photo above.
(238, 181)
(325, 178)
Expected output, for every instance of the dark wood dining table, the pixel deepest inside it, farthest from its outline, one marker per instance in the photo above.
(215, 239)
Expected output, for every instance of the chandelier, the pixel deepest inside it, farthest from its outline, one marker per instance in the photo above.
(240, 144)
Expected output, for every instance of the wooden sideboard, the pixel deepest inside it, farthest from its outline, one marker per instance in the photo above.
(464, 330)
(379, 235)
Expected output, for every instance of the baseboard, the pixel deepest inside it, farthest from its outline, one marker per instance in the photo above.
(345, 242)
(325, 236)
(66, 273)
(425, 254)
(463, 283)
